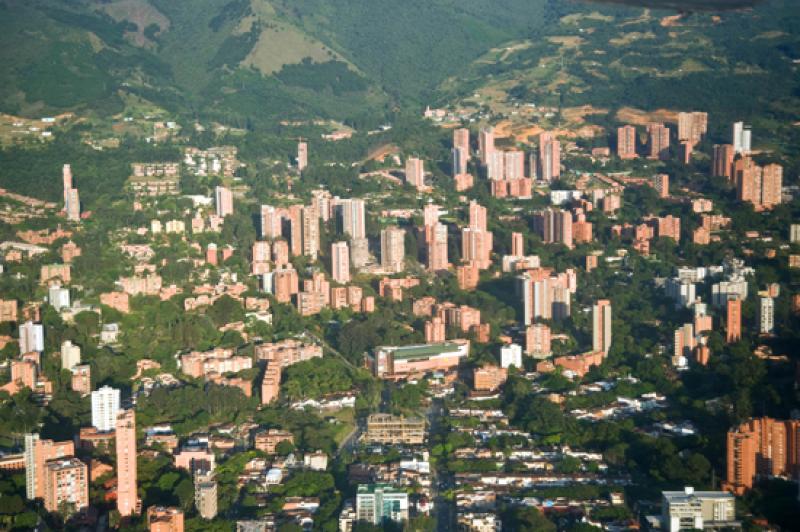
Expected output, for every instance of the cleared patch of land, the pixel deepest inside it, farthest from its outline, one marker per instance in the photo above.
(280, 45)
(141, 13)
(638, 117)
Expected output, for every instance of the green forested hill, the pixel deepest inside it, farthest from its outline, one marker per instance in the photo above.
(244, 58)
(248, 61)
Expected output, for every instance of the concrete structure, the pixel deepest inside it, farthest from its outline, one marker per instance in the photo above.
(488, 378)
(601, 326)
(268, 440)
(436, 239)
(549, 157)
(105, 407)
(762, 448)
(271, 383)
(701, 510)
(66, 485)
(302, 155)
(398, 363)
(82, 379)
(511, 355)
(127, 495)
(723, 156)
(554, 226)
(741, 136)
(223, 201)
(435, 330)
(310, 232)
(545, 295)
(37, 454)
(393, 249)
(351, 215)
(70, 355)
(538, 341)
(164, 519)
(205, 495)
(31, 337)
(486, 144)
(340, 262)
(376, 503)
(692, 126)
(794, 233)
(733, 328)
(415, 173)
(394, 430)
(517, 245)
(658, 141)
(8, 310)
(766, 315)
(661, 184)
(626, 142)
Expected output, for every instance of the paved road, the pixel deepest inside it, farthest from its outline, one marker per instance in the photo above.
(444, 509)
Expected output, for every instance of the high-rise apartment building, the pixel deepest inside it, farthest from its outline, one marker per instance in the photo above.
(66, 175)
(766, 315)
(741, 138)
(658, 141)
(437, 247)
(517, 245)
(601, 326)
(70, 355)
(340, 262)
(415, 172)
(105, 407)
(302, 155)
(352, 213)
(549, 157)
(66, 485)
(270, 222)
(626, 142)
(461, 140)
(511, 355)
(486, 144)
(514, 164)
(771, 186)
(794, 233)
(37, 454)
(554, 226)
(223, 201)
(460, 161)
(733, 329)
(538, 340)
(73, 205)
(692, 126)
(661, 184)
(310, 223)
(435, 331)
(31, 337)
(393, 249)
(762, 448)
(723, 160)
(127, 494)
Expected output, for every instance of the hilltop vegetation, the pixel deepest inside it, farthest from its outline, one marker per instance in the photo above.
(249, 62)
(230, 59)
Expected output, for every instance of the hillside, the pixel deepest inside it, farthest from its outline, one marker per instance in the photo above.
(599, 63)
(231, 59)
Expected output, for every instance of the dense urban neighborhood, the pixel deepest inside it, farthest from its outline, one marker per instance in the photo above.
(490, 312)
